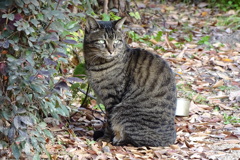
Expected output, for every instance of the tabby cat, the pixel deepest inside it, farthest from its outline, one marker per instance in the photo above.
(136, 86)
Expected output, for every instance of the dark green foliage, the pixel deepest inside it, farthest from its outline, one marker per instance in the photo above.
(79, 71)
(221, 4)
(35, 39)
(226, 4)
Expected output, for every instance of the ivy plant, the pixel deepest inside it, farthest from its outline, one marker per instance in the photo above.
(36, 41)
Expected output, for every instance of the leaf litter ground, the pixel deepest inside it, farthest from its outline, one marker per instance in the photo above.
(206, 60)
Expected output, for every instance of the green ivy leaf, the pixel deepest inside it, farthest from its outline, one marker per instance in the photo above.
(27, 148)
(36, 156)
(114, 17)
(5, 4)
(17, 122)
(159, 36)
(105, 17)
(9, 16)
(3, 144)
(36, 132)
(65, 111)
(99, 106)
(7, 114)
(29, 58)
(11, 58)
(15, 47)
(11, 133)
(15, 150)
(37, 88)
(34, 22)
(71, 24)
(48, 133)
(33, 39)
(20, 139)
(135, 15)
(40, 17)
(43, 125)
(26, 1)
(27, 120)
(31, 30)
(32, 8)
(20, 99)
(10, 87)
(79, 71)
(26, 11)
(35, 144)
(35, 2)
(204, 40)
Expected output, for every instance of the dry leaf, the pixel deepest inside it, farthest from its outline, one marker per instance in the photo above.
(218, 84)
(204, 14)
(227, 60)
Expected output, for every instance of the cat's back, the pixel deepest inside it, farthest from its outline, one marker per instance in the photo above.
(150, 69)
(151, 82)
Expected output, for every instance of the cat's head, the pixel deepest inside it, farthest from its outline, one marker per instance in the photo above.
(103, 39)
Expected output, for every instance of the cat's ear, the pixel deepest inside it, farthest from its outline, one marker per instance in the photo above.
(119, 23)
(91, 24)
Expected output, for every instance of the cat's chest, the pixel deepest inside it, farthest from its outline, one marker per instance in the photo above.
(108, 83)
(102, 79)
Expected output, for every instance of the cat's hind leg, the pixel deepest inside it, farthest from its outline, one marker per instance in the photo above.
(121, 138)
(105, 135)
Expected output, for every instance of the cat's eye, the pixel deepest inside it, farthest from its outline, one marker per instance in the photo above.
(117, 41)
(100, 41)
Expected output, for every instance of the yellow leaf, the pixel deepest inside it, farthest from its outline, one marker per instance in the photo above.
(227, 60)
(204, 14)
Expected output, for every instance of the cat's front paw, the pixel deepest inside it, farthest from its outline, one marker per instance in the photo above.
(118, 142)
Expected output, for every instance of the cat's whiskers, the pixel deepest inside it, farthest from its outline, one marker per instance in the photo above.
(93, 59)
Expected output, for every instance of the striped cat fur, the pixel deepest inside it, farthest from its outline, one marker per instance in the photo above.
(136, 86)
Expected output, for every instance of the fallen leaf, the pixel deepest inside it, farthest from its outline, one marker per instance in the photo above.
(235, 149)
(218, 84)
(204, 14)
(227, 60)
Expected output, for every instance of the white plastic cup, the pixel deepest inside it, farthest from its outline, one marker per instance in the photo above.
(182, 108)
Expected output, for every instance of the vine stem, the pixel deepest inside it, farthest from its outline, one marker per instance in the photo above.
(85, 99)
(105, 7)
(53, 16)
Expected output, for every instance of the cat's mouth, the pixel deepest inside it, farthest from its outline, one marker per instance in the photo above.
(104, 57)
(108, 56)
